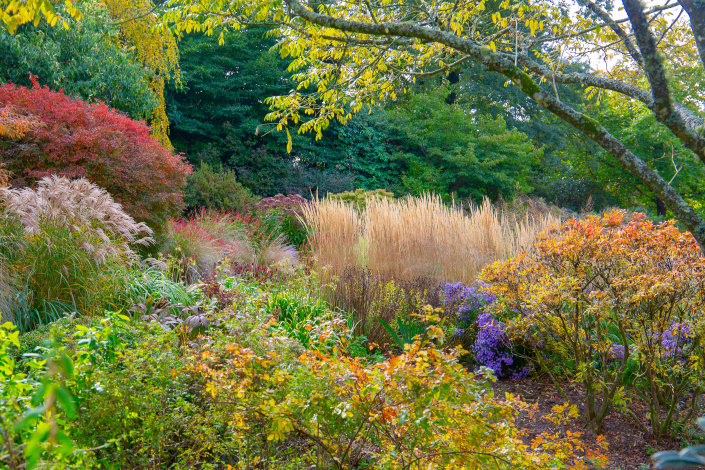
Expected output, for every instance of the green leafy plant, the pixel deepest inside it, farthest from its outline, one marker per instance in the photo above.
(305, 319)
(409, 330)
(218, 189)
(283, 215)
(32, 404)
(358, 198)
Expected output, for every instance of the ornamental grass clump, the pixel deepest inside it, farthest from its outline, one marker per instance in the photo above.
(335, 231)
(100, 224)
(67, 244)
(418, 236)
(618, 306)
(208, 238)
(201, 241)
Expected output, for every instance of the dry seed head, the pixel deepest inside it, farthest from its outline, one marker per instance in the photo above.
(81, 206)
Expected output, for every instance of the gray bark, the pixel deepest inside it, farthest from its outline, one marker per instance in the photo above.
(696, 12)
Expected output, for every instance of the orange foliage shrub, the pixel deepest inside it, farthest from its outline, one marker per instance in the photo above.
(617, 307)
(419, 410)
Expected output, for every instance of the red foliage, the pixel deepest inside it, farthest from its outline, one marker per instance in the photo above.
(77, 139)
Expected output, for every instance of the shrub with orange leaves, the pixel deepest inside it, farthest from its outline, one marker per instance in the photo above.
(14, 125)
(617, 306)
(418, 410)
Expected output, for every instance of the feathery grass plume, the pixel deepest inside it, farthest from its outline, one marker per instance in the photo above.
(201, 241)
(86, 210)
(10, 242)
(208, 237)
(419, 236)
(335, 232)
(267, 251)
(70, 250)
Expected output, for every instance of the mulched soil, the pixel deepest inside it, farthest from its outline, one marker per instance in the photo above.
(629, 447)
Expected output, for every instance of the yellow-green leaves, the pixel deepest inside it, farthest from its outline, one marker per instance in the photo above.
(15, 13)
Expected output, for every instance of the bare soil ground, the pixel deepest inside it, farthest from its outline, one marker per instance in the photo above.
(630, 448)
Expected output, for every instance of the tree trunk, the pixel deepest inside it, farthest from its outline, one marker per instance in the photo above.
(661, 208)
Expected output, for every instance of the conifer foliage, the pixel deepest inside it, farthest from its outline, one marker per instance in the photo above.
(76, 139)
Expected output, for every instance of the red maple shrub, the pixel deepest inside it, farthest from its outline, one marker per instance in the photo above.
(77, 139)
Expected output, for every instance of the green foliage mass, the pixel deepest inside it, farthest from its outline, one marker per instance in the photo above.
(419, 145)
(635, 125)
(86, 61)
(217, 188)
(451, 150)
(217, 117)
(556, 178)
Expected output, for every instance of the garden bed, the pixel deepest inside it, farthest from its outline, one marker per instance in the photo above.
(629, 447)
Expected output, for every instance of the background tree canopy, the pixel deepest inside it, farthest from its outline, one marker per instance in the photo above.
(85, 60)
(420, 144)
(436, 115)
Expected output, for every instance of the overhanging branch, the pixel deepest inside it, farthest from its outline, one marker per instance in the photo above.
(500, 63)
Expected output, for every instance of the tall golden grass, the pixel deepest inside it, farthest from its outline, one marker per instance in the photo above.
(419, 236)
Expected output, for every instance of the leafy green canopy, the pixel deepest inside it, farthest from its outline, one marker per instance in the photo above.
(216, 117)
(450, 149)
(84, 60)
(421, 145)
(636, 126)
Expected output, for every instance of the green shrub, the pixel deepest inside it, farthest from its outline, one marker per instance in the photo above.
(135, 399)
(218, 189)
(283, 215)
(245, 397)
(419, 410)
(23, 435)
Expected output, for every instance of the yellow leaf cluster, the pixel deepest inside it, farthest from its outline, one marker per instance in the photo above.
(155, 47)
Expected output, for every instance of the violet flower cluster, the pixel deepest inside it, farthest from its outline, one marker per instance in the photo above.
(616, 352)
(673, 342)
(492, 349)
(491, 346)
(466, 301)
(675, 338)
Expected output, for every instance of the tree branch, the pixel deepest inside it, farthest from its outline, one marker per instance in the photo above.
(499, 63)
(604, 16)
(696, 12)
(593, 28)
(681, 123)
(652, 60)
